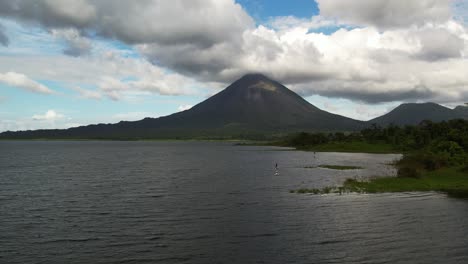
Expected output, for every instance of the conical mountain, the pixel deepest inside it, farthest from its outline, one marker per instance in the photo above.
(254, 104)
(257, 102)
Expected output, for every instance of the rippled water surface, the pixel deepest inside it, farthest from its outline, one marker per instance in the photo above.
(200, 202)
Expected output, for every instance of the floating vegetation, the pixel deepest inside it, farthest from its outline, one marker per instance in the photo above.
(340, 167)
(325, 190)
(334, 167)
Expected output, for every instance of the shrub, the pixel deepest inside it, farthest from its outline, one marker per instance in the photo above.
(408, 172)
(424, 161)
(464, 168)
(432, 161)
(305, 139)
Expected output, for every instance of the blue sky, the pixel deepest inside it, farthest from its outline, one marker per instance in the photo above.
(263, 10)
(59, 70)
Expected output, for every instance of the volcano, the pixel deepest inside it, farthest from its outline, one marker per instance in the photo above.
(257, 102)
(254, 104)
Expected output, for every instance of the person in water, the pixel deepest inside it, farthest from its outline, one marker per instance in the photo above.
(276, 166)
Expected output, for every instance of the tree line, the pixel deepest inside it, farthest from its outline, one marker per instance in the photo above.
(427, 146)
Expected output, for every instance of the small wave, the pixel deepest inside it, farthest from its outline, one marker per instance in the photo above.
(122, 244)
(69, 240)
(193, 238)
(257, 235)
(327, 242)
(178, 259)
(150, 260)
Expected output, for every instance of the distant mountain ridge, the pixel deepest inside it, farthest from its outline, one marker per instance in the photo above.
(415, 113)
(462, 110)
(252, 105)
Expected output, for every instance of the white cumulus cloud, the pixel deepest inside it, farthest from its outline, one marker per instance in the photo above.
(50, 115)
(22, 81)
(89, 94)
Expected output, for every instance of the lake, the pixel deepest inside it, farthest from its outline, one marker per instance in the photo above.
(211, 202)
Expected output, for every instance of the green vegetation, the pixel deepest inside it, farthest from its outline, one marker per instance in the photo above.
(325, 190)
(335, 167)
(452, 181)
(336, 142)
(353, 147)
(435, 159)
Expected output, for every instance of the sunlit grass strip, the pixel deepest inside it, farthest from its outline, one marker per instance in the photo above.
(334, 167)
(339, 167)
(452, 181)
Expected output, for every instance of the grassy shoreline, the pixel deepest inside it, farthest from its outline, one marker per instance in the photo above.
(335, 167)
(352, 147)
(452, 181)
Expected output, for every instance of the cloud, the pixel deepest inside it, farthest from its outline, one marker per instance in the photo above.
(107, 74)
(76, 45)
(362, 64)
(24, 82)
(184, 107)
(366, 64)
(3, 37)
(51, 119)
(115, 88)
(287, 22)
(387, 14)
(50, 115)
(88, 94)
(199, 22)
(439, 44)
(50, 13)
(259, 50)
(392, 51)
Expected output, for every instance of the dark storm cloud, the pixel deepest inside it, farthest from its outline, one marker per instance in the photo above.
(60, 13)
(198, 22)
(386, 14)
(371, 96)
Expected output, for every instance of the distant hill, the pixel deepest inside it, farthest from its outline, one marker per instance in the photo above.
(462, 110)
(254, 104)
(414, 113)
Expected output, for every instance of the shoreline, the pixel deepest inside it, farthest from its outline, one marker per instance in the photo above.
(452, 181)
